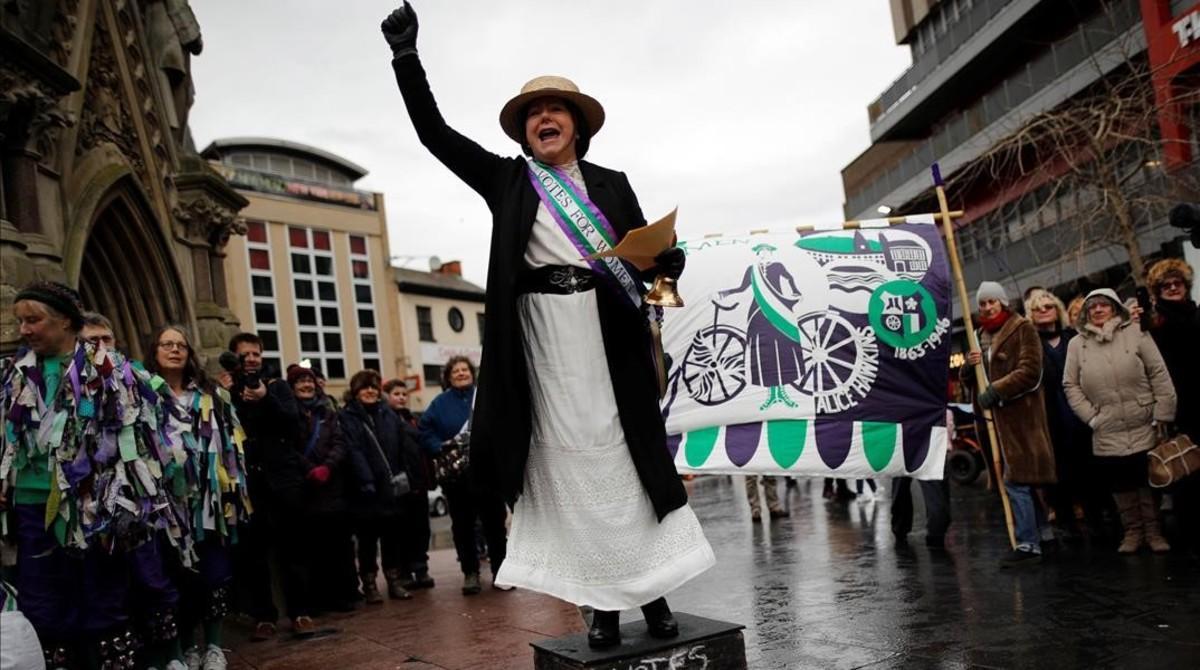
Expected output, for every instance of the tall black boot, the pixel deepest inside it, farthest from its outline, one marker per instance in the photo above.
(659, 620)
(605, 630)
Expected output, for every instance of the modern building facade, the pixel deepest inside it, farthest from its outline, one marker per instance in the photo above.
(312, 274)
(442, 316)
(99, 185)
(982, 69)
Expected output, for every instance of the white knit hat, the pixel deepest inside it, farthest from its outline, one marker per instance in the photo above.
(990, 290)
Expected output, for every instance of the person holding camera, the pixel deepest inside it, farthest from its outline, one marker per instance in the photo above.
(271, 420)
(387, 489)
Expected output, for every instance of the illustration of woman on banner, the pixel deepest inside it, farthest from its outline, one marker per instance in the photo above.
(774, 353)
(566, 422)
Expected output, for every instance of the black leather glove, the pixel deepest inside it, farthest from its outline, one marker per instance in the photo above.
(400, 30)
(989, 398)
(671, 262)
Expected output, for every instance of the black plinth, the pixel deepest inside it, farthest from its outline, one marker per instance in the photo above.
(702, 643)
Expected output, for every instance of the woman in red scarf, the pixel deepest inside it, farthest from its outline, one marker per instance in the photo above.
(1011, 353)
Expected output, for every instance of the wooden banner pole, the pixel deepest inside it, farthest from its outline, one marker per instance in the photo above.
(972, 344)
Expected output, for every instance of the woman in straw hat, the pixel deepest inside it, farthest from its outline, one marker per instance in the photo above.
(566, 422)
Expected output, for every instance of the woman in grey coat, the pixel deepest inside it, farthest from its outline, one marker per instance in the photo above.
(1116, 381)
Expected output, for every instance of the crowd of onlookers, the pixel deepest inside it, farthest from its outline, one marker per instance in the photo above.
(147, 500)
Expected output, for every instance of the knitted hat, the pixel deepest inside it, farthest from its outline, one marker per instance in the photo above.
(297, 372)
(990, 290)
(1169, 267)
(59, 297)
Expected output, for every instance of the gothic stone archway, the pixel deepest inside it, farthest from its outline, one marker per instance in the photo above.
(128, 272)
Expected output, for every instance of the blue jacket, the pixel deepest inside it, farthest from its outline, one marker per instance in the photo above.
(445, 417)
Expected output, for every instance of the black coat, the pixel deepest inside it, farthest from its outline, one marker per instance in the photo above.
(272, 442)
(370, 487)
(328, 449)
(1176, 332)
(502, 421)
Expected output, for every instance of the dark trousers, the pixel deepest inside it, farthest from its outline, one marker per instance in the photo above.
(379, 535)
(936, 495)
(252, 566)
(466, 504)
(68, 595)
(292, 530)
(334, 580)
(153, 593)
(414, 532)
(204, 587)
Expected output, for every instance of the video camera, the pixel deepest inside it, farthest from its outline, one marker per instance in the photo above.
(232, 363)
(1186, 215)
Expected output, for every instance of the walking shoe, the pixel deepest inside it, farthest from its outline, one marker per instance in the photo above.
(175, 664)
(370, 591)
(214, 658)
(303, 626)
(263, 630)
(501, 587)
(756, 516)
(660, 622)
(1020, 557)
(779, 513)
(193, 659)
(395, 590)
(605, 630)
(471, 585)
(423, 580)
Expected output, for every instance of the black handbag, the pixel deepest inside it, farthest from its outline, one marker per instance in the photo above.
(400, 483)
(451, 463)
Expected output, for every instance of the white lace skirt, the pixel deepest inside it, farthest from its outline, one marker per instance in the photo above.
(584, 530)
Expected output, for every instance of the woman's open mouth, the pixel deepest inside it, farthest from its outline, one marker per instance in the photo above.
(547, 134)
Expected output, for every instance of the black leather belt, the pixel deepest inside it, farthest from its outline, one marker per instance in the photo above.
(560, 279)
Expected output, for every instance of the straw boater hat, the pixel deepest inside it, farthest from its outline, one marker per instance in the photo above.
(549, 86)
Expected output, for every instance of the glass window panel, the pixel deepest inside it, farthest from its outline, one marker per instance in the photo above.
(366, 318)
(324, 265)
(300, 264)
(425, 324)
(433, 375)
(455, 317)
(256, 231)
(260, 259)
(327, 291)
(272, 363)
(321, 239)
(361, 270)
(270, 340)
(335, 368)
(329, 316)
(281, 164)
(362, 293)
(307, 316)
(370, 343)
(261, 286)
(264, 312)
(372, 364)
(309, 342)
(358, 245)
(333, 342)
(241, 159)
(298, 237)
(304, 289)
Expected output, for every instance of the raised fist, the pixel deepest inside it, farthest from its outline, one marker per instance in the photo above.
(400, 30)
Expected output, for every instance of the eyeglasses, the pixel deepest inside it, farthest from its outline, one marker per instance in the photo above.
(1171, 283)
(1044, 308)
(102, 339)
(170, 346)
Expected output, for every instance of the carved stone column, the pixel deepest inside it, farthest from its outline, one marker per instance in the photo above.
(205, 216)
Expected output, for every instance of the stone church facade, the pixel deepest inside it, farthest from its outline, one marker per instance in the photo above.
(100, 183)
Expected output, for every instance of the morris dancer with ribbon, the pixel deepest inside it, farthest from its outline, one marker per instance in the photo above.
(566, 421)
(207, 475)
(82, 468)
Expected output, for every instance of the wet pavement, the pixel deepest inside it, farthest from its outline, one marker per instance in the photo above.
(828, 587)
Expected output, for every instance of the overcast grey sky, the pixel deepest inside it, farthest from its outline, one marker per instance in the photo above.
(742, 113)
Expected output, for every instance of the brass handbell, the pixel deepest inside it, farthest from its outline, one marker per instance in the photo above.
(664, 293)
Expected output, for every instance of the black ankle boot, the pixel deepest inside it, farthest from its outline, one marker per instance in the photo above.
(659, 620)
(605, 630)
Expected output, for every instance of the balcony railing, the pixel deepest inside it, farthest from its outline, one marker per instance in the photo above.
(1057, 60)
(964, 29)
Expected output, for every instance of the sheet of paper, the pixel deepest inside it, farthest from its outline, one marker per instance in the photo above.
(641, 245)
